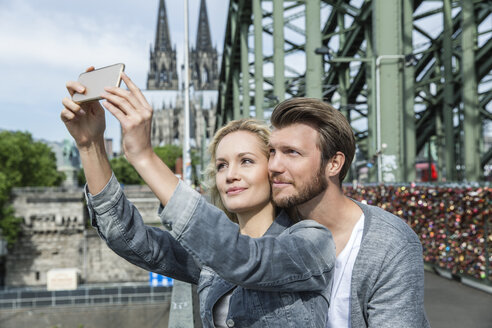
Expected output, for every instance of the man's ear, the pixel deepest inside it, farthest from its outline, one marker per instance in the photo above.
(335, 164)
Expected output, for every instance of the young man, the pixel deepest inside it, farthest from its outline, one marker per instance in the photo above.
(379, 275)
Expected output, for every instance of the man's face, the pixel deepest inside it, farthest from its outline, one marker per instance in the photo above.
(295, 165)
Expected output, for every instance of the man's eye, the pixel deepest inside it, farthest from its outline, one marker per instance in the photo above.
(293, 152)
(272, 152)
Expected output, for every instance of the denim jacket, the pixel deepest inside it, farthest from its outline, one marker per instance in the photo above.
(278, 280)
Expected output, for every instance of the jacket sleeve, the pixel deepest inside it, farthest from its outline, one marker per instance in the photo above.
(120, 225)
(397, 298)
(299, 259)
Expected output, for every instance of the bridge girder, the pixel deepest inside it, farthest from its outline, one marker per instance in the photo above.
(434, 93)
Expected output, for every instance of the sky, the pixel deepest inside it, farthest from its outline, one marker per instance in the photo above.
(46, 43)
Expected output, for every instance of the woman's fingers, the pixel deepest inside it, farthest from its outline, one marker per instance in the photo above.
(118, 99)
(74, 86)
(72, 106)
(128, 102)
(136, 91)
(128, 106)
(67, 115)
(119, 114)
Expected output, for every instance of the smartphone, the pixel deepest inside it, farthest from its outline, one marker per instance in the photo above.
(95, 81)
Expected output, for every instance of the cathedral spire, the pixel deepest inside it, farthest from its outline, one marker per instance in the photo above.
(203, 39)
(162, 39)
(162, 74)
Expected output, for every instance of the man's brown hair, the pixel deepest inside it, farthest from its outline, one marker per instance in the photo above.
(335, 132)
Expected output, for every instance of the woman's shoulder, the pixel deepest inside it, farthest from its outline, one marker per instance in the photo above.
(307, 225)
(283, 224)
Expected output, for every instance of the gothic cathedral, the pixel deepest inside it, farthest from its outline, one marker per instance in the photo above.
(165, 93)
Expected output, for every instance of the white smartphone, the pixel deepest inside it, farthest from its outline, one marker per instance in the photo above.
(95, 81)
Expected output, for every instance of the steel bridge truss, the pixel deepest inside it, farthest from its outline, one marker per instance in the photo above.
(413, 77)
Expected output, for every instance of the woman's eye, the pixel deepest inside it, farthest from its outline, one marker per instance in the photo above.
(220, 166)
(247, 161)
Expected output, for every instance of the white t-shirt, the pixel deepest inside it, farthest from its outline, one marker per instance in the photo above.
(221, 310)
(339, 312)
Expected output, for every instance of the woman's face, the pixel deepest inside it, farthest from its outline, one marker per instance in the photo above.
(242, 173)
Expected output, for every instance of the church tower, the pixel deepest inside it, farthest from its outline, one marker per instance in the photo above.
(203, 58)
(162, 74)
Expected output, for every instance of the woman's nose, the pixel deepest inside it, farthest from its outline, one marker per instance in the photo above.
(232, 173)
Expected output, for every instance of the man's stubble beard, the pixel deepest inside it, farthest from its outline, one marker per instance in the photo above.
(315, 186)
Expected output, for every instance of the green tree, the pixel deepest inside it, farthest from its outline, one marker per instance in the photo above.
(23, 162)
(169, 154)
(124, 172)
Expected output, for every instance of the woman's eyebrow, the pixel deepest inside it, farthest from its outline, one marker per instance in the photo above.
(245, 153)
(238, 155)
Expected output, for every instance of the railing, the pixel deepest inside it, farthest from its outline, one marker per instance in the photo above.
(453, 222)
(185, 309)
(13, 299)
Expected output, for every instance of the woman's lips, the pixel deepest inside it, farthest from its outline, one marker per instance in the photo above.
(235, 190)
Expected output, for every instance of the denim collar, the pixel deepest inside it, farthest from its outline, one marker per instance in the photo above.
(281, 222)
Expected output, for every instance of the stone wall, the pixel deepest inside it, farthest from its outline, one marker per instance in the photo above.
(119, 315)
(56, 234)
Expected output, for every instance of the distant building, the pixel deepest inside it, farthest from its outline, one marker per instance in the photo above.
(67, 160)
(204, 57)
(163, 74)
(164, 94)
(55, 234)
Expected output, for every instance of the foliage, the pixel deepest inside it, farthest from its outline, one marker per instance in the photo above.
(23, 162)
(124, 172)
(169, 154)
(81, 178)
(10, 225)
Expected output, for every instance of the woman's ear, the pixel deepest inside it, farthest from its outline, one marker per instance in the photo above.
(335, 164)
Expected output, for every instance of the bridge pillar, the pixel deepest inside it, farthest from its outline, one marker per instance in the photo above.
(389, 93)
(314, 64)
(278, 50)
(471, 125)
(245, 67)
(258, 30)
(448, 90)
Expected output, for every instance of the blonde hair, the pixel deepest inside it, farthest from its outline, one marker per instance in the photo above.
(258, 128)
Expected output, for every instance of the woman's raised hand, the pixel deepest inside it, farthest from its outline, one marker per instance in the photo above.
(85, 122)
(135, 115)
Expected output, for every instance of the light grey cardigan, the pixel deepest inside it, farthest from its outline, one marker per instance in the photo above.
(387, 288)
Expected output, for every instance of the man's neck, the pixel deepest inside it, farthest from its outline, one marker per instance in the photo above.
(335, 211)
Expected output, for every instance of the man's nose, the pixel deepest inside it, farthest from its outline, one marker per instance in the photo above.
(275, 164)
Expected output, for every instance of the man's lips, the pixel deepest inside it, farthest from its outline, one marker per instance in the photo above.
(279, 184)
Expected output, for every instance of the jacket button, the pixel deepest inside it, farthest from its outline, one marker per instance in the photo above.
(230, 323)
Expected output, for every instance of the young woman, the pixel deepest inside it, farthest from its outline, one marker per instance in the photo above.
(263, 271)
